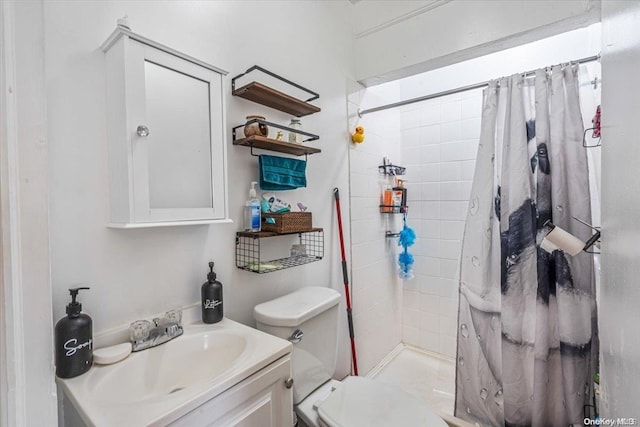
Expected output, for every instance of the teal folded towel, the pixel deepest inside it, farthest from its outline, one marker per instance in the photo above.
(281, 173)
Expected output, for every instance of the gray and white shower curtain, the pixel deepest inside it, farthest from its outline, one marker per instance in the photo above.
(527, 338)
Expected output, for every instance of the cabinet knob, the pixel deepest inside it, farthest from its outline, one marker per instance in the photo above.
(142, 130)
(288, 383)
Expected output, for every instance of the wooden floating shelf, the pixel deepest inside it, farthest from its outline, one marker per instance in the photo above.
(257, 92)
(264, 143)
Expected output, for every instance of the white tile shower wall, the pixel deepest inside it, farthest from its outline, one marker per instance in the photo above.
(439, 144)
(376, 290)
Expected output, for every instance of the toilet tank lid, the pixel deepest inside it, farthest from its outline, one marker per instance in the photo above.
(297, 307)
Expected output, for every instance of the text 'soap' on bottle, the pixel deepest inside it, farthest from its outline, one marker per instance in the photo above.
(73, 340)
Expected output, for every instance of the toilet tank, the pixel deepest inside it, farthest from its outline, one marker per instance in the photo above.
(314, 311)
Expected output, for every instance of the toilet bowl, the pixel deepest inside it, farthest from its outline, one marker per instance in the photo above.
(309, 319)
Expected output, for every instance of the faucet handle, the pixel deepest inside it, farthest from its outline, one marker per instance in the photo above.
(173, 330)
(174, 316)
(139, 330)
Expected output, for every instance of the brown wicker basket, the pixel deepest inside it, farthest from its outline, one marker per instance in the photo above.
(288, 222)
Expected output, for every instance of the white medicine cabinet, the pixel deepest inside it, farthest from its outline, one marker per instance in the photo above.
(167, 157)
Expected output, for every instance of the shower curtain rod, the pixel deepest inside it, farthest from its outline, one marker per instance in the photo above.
(459, 89)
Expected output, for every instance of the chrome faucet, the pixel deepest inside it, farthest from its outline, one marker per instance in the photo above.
(145, 334)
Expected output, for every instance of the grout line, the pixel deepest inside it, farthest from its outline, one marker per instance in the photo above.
(444, 393)
(397, 350)
(430, 353)
(386, 360)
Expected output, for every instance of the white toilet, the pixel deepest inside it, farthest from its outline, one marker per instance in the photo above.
(309, 318)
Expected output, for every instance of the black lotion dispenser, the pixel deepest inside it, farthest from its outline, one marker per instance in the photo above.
(74, 340)
(211, 298)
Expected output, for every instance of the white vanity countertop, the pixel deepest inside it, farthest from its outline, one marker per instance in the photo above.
(108, 395)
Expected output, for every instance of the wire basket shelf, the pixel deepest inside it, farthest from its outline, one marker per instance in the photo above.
(249, 251)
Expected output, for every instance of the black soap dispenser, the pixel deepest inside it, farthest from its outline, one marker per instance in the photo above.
(211, 298)
(73, 340)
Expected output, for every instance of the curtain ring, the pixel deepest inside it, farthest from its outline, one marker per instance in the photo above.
(576, 68)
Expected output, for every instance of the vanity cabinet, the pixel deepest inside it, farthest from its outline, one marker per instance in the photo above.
(222, 374)
(265, 399)
(167, 157)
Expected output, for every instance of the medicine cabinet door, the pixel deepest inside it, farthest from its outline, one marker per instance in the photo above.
(177, 147)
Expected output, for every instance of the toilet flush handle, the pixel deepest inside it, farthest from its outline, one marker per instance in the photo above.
(296, 336)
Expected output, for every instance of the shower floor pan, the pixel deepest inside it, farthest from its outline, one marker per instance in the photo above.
(428, 376)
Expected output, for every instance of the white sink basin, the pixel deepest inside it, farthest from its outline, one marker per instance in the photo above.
(186, 361)
(158, 385)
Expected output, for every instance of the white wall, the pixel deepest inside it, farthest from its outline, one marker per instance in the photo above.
(134, 274)
(377, 291)
(620, 293)
(451, 32)
(439, 145)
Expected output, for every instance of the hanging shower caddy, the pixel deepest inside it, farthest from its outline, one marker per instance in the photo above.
(389, 204)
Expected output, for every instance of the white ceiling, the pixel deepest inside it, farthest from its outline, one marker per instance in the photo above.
(370, 16)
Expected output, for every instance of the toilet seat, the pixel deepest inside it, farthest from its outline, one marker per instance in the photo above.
(362, 402)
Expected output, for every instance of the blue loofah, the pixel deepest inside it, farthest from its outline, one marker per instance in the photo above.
(405, 259)
(407, 237)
